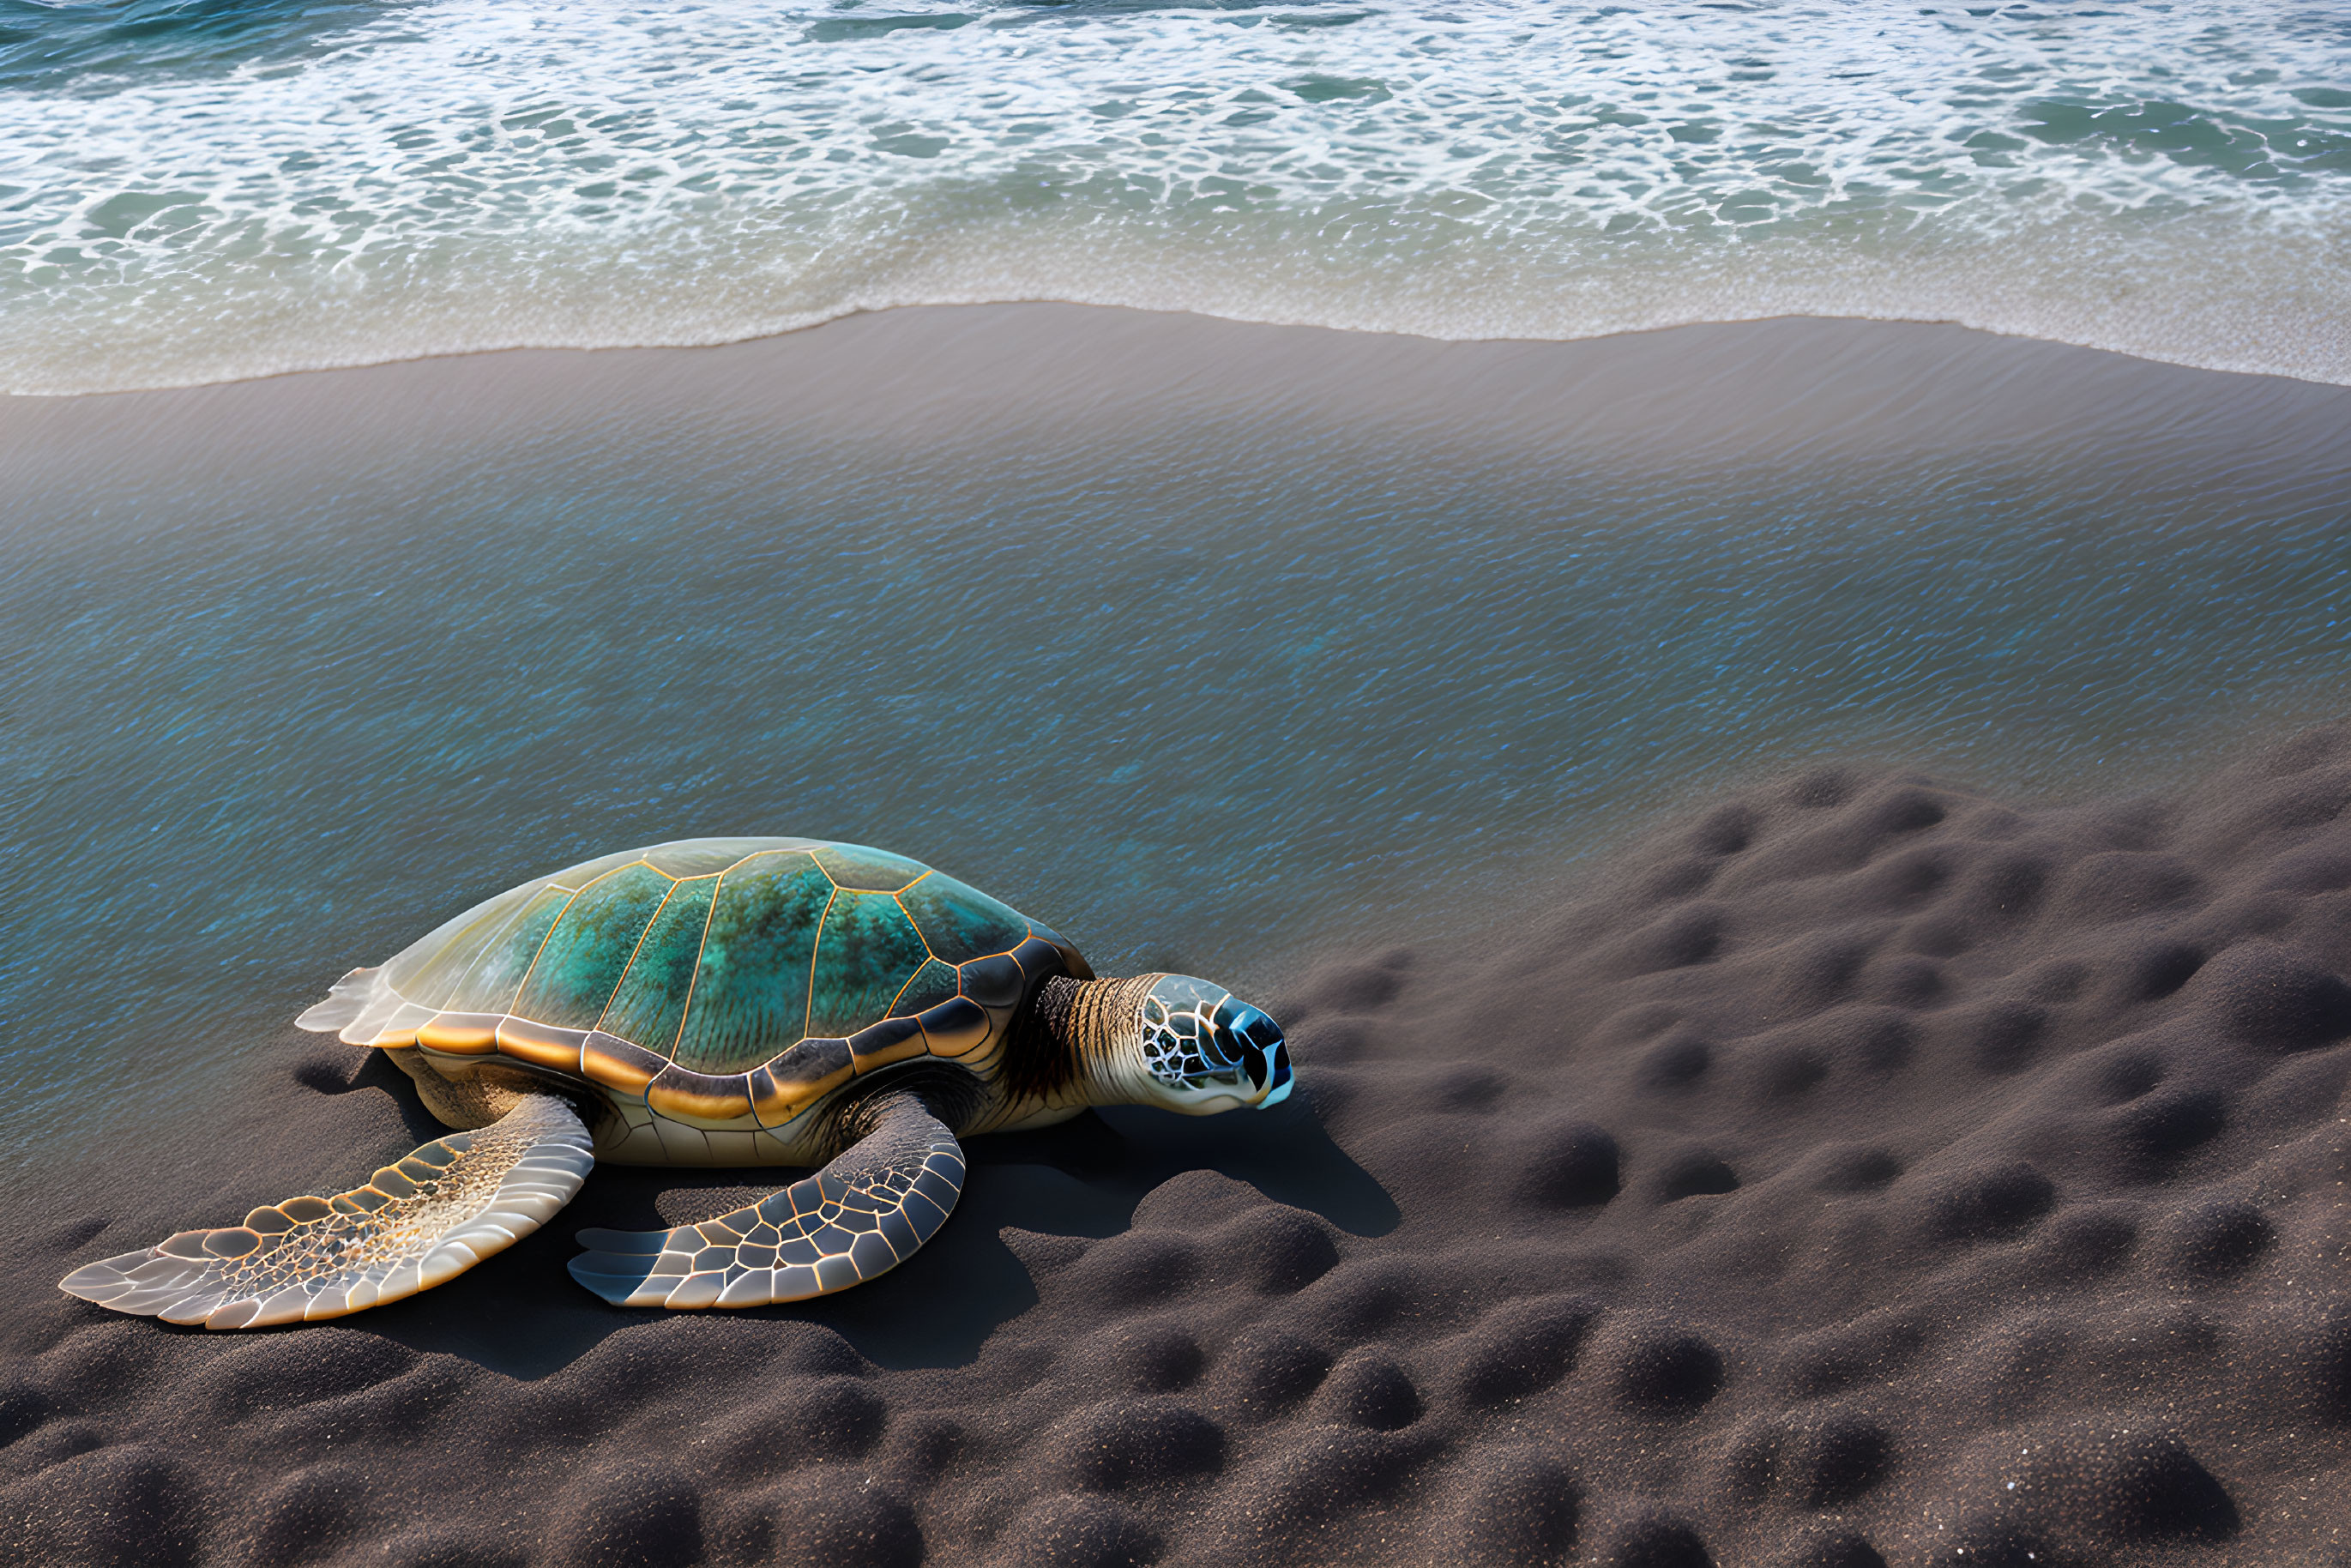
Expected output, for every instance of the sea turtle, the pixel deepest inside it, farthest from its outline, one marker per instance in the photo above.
(708, 1002)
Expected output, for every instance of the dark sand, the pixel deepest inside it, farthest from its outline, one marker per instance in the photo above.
(1856, 1170)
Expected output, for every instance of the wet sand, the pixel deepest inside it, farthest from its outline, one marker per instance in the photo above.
(1850, 1167)
(1045, 376)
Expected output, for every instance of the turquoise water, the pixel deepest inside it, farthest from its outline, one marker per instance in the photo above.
(1231, 681)
(201, 190)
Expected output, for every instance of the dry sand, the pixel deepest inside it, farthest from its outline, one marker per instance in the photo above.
(1863, 1171)
(1854, 1170)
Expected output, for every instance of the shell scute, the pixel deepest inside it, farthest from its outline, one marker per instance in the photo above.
(541, 1045)
(891, 1040)
(933, 983)
(867, 952)
(785, 1087)
(955, 1027)
(397, 1030)
(750, 995)
(699, 1098)
(461, 1034)
(648, 1008)
(995, 982)
(1039, 959)
(580, 964)
(959, 923)
(811, 1062)
(859, 870)
(618, 1064)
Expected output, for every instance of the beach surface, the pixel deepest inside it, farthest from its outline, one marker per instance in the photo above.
(1858, 1170)
(1803, 861)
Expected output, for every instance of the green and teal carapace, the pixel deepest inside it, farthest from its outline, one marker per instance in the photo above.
(708, 1002)
(715, 971)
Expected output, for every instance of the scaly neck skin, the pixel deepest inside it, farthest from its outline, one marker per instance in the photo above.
(1096, 1027)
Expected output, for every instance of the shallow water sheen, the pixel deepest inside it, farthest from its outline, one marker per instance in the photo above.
(1210, 669)
(196, 191)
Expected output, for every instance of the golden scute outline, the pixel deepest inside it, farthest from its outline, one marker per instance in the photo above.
(815, 948)
(929, 955)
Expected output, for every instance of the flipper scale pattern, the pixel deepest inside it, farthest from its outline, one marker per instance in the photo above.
(861, 1216)
(425, 1219)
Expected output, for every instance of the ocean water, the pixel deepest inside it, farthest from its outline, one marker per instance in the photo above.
(201, 190)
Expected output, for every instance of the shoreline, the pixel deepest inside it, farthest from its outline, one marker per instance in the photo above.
(1639, 325)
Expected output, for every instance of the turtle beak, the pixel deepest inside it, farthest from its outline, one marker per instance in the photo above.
(1264, 1057)
(1250, 1038)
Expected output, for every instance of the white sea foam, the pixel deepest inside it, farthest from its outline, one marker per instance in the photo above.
(2168, 179)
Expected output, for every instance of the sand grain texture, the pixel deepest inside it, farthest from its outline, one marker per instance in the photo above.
(1857, 1171)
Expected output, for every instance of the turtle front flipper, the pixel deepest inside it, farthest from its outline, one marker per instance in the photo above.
(860, 1216)
(431, 1216)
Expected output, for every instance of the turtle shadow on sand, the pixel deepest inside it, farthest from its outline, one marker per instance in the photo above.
(520, 1313)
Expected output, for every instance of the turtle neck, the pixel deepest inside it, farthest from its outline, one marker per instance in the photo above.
(1092, 1037)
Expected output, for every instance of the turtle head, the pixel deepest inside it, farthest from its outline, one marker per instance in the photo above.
(1204, 1050)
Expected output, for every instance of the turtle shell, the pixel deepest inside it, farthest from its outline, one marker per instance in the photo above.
(725, 981)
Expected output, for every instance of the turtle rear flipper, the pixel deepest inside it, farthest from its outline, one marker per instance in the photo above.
(431, 1216)
(861, 1216)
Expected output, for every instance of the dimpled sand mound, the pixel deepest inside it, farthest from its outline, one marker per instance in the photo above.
(1861, 1171)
